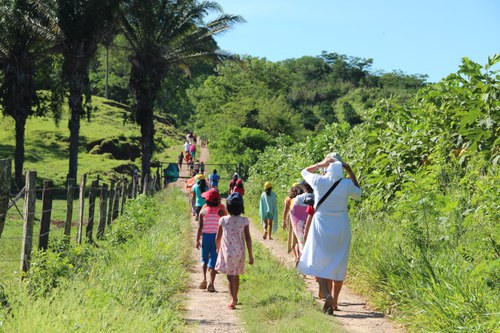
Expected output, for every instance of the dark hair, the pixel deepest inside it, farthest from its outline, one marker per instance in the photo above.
(212, 203)
(306, 187)
(203, 185)
(235, 209)
(215, 170)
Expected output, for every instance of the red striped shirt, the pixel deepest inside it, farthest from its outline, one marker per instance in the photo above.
(211, 220)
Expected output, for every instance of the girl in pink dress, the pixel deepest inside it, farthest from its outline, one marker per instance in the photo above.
(232, 235)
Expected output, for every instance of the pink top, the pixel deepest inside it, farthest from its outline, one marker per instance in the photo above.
(211, 220)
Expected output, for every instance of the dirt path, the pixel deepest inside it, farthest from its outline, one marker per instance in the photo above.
(207, 312)
(355, 315)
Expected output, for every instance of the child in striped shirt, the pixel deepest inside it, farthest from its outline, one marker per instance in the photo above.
(208, 224)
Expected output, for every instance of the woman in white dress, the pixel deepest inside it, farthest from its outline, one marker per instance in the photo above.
(326, 250)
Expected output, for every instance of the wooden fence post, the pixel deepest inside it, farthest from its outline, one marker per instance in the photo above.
(146, 184)
(102, 211)
(111, 201)
(82, 207)
(116, 202)
(124, 194)
(69, 207)
(134, 187)
(43, 241)
(5, 179)
(29, 217)
(90, 223)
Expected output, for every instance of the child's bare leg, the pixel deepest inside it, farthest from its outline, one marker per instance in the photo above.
(212, 279)
(236, 288)
(204, 271)
(265, 228)
(270, 228)
(231, 281)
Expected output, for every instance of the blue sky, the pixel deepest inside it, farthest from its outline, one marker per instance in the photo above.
(415, 36)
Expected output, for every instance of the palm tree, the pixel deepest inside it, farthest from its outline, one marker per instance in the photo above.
(28, 32)
(165, 35)
(82, 23)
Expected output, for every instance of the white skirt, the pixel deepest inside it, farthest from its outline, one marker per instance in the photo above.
(326, 250)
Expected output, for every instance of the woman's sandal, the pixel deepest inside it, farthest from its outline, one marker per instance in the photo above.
(328, 304)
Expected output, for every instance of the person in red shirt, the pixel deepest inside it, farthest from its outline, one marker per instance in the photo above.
(239, 187)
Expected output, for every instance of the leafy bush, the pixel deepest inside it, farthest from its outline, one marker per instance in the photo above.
(138, 216)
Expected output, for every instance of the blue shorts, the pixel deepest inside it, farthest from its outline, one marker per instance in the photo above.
(208, 250)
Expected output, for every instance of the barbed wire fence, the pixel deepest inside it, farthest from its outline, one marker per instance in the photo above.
(99, 216)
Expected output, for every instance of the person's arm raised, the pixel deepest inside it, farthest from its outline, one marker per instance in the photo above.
(352, 176)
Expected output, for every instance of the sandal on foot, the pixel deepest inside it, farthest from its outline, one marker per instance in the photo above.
(328, 303)
(211, 288)
(203, 285)
(231, 306)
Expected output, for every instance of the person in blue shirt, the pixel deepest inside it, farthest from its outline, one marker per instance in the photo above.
(214, 180)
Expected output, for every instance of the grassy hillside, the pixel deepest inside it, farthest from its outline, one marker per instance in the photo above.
(109, 144)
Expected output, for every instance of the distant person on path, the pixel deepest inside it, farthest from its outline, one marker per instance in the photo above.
(239, 187)
(232, 183)
(186, 147)
(202, 167)
(198, 189)
(214, 180)
(268, 210)
(180, 158)
(326, 251)
(232, 235)
(187, 157)
(208, 224)
(286, 224)
(192, 150)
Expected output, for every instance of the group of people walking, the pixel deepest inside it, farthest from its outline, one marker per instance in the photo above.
(222, 234)
(315, 215)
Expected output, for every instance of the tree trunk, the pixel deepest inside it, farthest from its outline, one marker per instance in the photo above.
(106, 92)
(19, 155)
(77, 81)
(147, 144)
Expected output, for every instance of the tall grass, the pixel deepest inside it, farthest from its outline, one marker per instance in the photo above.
(129, 285)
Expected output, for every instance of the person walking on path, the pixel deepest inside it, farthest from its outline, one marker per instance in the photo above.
(268, 210)
(180, 158)
(232, 183)
(326, 251)
(213, 180)
(239, 187)
(286, 224)
(186, 147)
(197, 190)
(208, 224)
(192, 150)
(202, 167)
(298, 216)
(233, 233)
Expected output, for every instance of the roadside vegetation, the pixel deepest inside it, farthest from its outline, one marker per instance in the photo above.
(129, 283)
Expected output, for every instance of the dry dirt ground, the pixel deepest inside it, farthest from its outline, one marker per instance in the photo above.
(207, 312)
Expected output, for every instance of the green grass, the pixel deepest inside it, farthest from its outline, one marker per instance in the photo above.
(131, 287)
(47, 144)
(276, 299)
